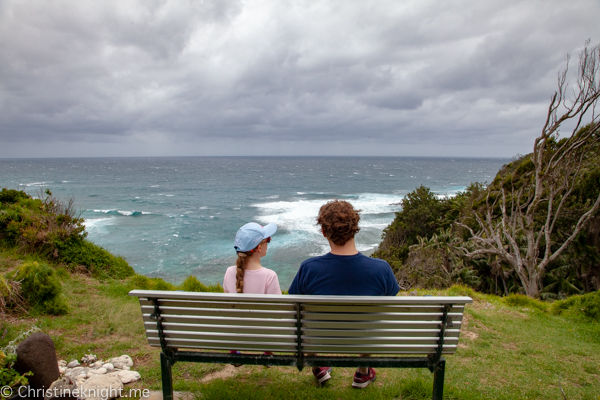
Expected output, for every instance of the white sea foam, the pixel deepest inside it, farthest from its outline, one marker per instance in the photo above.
(298, 219)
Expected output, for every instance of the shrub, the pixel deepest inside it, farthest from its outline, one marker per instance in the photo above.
(97, 260)
(520, 300)
(10, 295)
(585, 307)
(145, 283)
(192, 284)
(41, 288)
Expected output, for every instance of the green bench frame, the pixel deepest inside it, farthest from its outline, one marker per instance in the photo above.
(398, 332)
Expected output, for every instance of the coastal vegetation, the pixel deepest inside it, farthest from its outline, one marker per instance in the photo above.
(535, 229)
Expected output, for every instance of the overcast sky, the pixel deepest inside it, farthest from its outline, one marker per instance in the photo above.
(217, 77)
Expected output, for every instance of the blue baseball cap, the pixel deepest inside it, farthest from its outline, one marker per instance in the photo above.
(250, 235)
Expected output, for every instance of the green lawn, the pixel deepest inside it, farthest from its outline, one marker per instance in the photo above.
(505, 353)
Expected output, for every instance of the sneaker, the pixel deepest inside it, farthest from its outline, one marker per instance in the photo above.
(323, 374)
(362, 381)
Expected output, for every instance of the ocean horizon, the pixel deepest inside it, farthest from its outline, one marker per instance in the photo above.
(172, 217)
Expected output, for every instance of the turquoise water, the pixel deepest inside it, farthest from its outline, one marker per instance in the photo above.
(172, 217)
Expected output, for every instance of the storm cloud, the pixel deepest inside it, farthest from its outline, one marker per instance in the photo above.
(215, 77)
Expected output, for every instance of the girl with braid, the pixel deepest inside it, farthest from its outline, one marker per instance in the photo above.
(248, 276)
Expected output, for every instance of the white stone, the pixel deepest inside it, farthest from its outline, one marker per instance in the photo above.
(89, 358)
(62, 370)
(129, 376)
(62, 363)
(126, 368)
(73, 373)
(96, 365)
(101, 387)
(109, 367)
(121, 362)
(73, 364)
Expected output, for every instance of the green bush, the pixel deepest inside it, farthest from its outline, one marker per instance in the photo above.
(586, 307)
(192, 284)
(94, 258)
(520, 300)
(145, 283)
(41, 288)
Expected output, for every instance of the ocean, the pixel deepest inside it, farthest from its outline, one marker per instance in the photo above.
(174, 217)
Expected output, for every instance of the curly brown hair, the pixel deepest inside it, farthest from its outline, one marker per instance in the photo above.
(339, 221)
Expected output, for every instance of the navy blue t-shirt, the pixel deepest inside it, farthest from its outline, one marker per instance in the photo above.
(358, 275)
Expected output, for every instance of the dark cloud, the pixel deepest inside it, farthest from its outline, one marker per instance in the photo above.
(139, 77)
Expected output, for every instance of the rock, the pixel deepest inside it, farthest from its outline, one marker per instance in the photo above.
(99, 371)
(89, 358)
(101, 387)
(96, 365)
(37, 354)
(129, 376)
(61, 389)
(62, 370)
(62, 363)
(109, 367)
(121, 362)
(73, 364)
(75, 372)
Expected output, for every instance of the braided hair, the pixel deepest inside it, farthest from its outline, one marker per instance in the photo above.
(242, 260)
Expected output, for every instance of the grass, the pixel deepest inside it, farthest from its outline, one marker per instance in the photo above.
(509, 349)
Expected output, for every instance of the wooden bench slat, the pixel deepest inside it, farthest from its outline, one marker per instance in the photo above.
(218, 336)
(266, 330)
(379, 332)
(224, 320)
(376, 316)
(433, 340)
(327, 300)
(225, 345)
(376, 349)
(374, 324)
(220, 305)
(382, 308)
(276, 314)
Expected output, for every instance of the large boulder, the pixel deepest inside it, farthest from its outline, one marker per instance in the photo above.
(37, 354)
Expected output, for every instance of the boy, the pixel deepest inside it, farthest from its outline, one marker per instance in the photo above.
(343, 271)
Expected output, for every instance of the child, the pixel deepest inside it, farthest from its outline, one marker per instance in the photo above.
(248, 276)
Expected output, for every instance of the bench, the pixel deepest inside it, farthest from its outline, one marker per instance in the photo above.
(398, 332)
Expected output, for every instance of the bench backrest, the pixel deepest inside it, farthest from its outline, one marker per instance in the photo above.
(307, 324)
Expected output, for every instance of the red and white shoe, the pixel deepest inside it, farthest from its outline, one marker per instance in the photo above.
(323, 374)
(361, 380)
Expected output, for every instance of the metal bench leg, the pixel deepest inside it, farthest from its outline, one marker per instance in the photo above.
(438, 380)
(167, 377)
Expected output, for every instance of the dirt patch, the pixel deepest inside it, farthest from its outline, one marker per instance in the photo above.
(470, 335)
(225, 373)
(510, 346)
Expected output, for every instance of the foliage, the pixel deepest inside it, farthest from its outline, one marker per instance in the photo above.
(520, 300)
(8, 376)
(10, 296)
(8, 355)
(192, 284)
(586, 307)
(53, 229)
(535, 209)
(99, 262)
(422, 215)
(41, 288)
